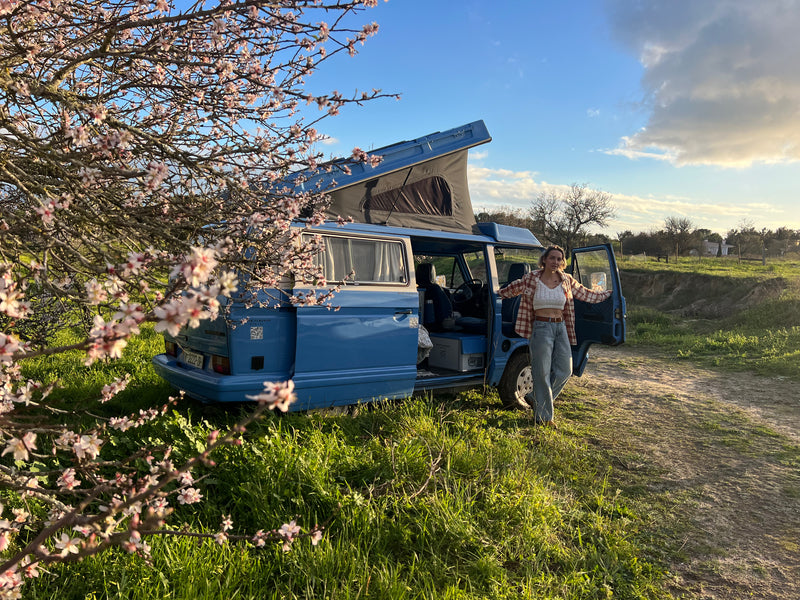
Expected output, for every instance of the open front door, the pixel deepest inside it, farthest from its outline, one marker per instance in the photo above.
(596, 268)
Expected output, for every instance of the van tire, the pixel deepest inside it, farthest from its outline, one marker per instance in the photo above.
(516, 382)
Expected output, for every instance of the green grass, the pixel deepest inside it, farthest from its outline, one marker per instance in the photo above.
(763, 338)
(726, 267)
(425, 498)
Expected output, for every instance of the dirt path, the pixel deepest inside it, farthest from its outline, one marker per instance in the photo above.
(720, 454)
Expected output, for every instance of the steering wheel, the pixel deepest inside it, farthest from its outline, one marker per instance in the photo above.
(466, 291)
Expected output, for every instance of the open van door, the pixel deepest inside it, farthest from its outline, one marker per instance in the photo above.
(604, 323)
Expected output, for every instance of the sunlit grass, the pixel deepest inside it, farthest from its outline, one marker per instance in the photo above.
(764, 338)
(424, 498)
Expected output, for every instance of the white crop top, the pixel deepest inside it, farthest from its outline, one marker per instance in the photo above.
(546, 297)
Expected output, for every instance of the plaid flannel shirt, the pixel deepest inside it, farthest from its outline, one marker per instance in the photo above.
(527, 287)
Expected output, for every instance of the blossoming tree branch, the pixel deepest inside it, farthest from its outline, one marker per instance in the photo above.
(144, 149)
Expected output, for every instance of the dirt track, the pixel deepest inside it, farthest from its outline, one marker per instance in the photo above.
(721, 453)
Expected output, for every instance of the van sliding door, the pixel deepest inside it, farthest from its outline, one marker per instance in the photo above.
(364, 345)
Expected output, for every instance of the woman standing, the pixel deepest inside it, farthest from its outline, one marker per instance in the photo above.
(547, 317)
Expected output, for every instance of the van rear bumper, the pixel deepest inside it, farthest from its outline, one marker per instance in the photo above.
(211, 387)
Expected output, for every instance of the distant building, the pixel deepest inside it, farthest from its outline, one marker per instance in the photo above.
(716, 248)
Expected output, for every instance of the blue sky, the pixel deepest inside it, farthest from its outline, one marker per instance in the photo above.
(674, 107)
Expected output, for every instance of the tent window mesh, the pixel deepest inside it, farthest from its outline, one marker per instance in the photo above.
(429, 196)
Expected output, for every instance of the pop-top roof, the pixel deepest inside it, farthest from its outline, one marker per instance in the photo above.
(420, 183)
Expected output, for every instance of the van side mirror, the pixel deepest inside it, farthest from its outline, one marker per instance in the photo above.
(598, 281)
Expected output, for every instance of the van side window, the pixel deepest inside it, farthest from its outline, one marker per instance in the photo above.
(362, 261)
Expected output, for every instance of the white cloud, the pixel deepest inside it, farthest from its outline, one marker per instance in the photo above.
(478, 154)
(720, 79)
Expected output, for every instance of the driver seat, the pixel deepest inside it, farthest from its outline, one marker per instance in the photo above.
(511, 305)
(442, 308)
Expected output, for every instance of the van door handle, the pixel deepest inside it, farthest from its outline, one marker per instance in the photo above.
(404, 312)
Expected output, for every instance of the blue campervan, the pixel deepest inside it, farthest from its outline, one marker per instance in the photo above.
(418, 308)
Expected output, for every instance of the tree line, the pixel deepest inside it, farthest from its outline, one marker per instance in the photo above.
(566, 218)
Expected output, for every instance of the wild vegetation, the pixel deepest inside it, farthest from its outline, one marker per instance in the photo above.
(740, 316)
(425, 498)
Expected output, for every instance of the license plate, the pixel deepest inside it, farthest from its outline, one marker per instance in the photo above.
(194, 359)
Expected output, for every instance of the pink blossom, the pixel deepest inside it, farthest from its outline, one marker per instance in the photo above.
(30, 484)
(97, 113)
(289, 530)
(20, 515)
(197, 266)
(66, 440)
(10, 580)
(31, 569)
(186, 478)
(67, 480)
(120, 423)
(228, 283)
(316, 536)
(9, 344)
(189, 496)
(96, 293)
(170, 317)
(276, 395)
(68, 545)
(112, 389)
(47, 213)
(20, 447)
(7, 6)
(156, 174)
(87, 446)
(11, 304)
(107, 339)
(227, 523)
(193, 311)
(136, 261)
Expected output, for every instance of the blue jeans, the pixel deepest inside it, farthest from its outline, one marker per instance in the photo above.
(551, 365)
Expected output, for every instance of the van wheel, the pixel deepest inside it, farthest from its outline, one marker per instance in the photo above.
(516, 382)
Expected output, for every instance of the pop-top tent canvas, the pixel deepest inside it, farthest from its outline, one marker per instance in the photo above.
(420, 183)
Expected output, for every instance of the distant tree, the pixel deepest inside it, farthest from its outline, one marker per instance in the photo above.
(622, 237)
(748, 240)
(678, 232)
(564, 217)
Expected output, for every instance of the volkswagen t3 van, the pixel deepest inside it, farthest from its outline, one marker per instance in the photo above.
(418, 308)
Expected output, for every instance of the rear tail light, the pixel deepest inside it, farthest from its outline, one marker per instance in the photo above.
(171, 348)
(221, 365)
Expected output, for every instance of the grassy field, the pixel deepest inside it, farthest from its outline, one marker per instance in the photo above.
(426, 498)
(760, 335)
